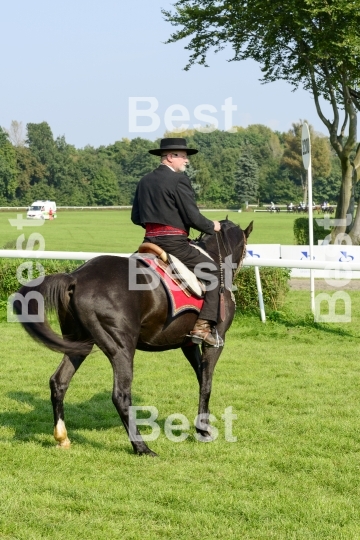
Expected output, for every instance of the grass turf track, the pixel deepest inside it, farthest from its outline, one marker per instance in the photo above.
(112, 230)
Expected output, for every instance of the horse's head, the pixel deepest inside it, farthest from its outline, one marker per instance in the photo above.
(230, 240)
(227, 225)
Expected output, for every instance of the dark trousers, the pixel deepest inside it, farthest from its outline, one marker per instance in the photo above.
(192, 257)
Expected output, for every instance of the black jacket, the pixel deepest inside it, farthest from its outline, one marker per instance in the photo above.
(166, 197)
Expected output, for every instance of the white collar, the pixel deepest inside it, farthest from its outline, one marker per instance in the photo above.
(168, 166)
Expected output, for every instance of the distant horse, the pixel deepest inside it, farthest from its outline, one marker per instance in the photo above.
(328, 209)
(95, 305)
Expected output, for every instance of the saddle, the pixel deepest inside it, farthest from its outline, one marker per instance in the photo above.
(175, 269)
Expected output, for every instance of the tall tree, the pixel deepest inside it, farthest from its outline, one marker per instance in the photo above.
(313, 43)
(191, 174)
(8, 171)
(247, 178)
(41, 142)
(203, 176)
(29, 173)
(105, 188)
(16, 133)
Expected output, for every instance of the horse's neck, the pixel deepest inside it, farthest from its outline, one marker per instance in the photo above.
(212, 248)
(218, 252)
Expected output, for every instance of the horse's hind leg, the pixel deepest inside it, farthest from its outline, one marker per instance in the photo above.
(59, 383)
(60, 380)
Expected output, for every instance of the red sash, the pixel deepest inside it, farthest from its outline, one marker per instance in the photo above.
(157, 229)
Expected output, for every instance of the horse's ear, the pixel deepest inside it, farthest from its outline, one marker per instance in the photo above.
(248, 229)
(227, 216)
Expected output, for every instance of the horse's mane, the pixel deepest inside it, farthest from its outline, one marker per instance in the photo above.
(209, 241)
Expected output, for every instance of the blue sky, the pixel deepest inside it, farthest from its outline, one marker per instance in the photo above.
(75, 64)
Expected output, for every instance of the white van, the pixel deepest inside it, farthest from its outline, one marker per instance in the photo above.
(42, 210)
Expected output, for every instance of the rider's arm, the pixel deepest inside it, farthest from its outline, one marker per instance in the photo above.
(135, 211)
(190, 213)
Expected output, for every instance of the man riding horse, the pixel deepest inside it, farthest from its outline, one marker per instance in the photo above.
(165, 206)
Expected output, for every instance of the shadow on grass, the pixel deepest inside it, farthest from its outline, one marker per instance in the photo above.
(288, 319)
(98, 413)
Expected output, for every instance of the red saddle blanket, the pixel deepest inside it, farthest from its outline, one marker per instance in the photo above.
(180, 300)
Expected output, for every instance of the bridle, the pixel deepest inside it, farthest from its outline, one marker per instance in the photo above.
(227, 250)
(234, 271)
(221, 268)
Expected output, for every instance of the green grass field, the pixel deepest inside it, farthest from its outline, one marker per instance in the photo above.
(293, 472)
(112, 231)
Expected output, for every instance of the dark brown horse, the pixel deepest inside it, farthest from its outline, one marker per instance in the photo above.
(95, 305)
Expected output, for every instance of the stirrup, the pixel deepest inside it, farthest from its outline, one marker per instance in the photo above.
(197, 340)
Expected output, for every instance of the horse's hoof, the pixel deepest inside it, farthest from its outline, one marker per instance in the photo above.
(204, 436)
(149, 453)
(64, 444)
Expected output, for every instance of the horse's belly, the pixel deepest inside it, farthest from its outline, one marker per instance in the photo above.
(166, 335)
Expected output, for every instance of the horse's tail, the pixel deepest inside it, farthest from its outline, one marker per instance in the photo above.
(33, 300)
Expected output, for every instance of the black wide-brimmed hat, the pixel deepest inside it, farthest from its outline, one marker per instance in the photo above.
(173, 144)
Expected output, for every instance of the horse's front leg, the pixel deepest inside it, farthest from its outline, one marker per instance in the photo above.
(209, 359)
(59, 383)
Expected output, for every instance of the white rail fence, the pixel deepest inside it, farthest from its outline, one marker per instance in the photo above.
(297, 264)
(296, 257)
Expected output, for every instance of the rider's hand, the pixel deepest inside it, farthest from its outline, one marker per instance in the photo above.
(217, 226)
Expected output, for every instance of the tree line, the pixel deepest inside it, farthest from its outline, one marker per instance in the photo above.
(252, 164)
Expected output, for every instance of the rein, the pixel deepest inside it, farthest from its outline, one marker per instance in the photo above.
(221, 266)
(228, 252)
(222, 284)
(243, 255)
